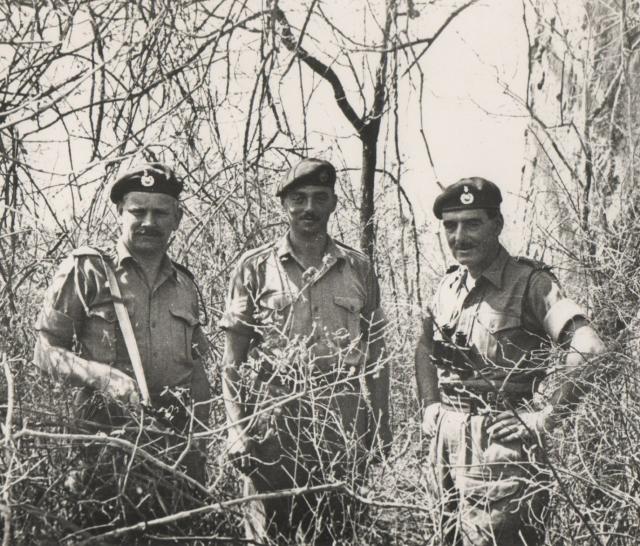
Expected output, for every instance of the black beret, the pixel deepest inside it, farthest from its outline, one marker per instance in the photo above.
(309, 171)
(468, 194)
(149, 177)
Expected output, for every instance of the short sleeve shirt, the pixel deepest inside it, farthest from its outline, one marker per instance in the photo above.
(515, 306)
(274, 299)
(78, 313)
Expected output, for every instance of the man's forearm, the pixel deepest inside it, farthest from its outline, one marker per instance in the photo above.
(584, 347)
(426, 376)
(378, 387)
(235, 354)
(61, 363)
(231, 393)
(64, 364)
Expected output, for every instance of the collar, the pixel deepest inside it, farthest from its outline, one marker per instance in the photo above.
(332, 252)
(495, 272)
(122, 254)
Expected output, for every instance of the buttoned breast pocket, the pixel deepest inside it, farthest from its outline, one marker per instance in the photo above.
(350, 313)
(274, 309)
(183, 325)
(99, 338)
(502, 338)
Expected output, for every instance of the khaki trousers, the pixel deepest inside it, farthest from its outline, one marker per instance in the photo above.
(489, 493)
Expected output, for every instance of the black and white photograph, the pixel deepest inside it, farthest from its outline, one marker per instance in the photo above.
(320, 272)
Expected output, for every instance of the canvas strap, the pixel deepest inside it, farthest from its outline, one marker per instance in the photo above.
(127, 332)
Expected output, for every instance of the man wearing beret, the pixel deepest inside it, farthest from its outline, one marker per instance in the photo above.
(484, 348)
(305, 386)
(83, 342)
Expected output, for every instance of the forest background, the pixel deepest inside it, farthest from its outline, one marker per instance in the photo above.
(403, 97)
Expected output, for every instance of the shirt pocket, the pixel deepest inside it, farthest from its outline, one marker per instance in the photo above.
(350, 312)
(501, 341)
(99, 338)
(274, 308)
(183, 325)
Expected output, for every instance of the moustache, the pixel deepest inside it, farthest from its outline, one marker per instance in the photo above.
(309, 217)
(148, 232)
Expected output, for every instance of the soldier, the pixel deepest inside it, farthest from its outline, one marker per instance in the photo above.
(107, 313)
(305, 401)
(483, 352)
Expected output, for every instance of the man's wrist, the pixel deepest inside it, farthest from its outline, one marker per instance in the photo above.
(98, 375)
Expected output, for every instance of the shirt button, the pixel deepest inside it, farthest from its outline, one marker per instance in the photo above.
(153, 325)
(316, 308)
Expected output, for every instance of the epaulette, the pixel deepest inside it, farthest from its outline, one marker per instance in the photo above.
(257, 251)
(184, 269)
(535, 264)
(354, 253)
(203, 306)
(87, 251)
(351, 249)
(452, 268)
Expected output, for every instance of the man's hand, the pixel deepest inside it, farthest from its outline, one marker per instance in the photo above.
(119, 386)
(60, 362)
(239, 451)
(506, 427)
(429, 419)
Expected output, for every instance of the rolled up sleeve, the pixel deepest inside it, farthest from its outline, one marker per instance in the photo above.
(63, 312)
(550, 306)
(239, 313)
(557, 318)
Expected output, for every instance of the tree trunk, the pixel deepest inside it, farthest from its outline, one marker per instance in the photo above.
(369, 138)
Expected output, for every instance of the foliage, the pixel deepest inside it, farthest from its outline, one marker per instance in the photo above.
(207, 87)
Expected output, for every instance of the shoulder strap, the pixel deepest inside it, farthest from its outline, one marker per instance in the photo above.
(537, 265)
(86, 251)
(127, 332)
(202, 305)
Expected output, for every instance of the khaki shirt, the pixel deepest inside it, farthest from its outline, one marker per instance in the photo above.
(508, 317)
(78, 312)
(330, 311)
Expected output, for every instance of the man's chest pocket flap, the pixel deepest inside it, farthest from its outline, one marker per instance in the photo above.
(350, 309)
(498, 323)
(183, 323)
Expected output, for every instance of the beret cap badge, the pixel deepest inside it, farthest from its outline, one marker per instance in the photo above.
(324, 176)
(147, 180)
(466, 197)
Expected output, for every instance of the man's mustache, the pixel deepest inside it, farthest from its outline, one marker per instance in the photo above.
(148, 232)
(309, 217)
